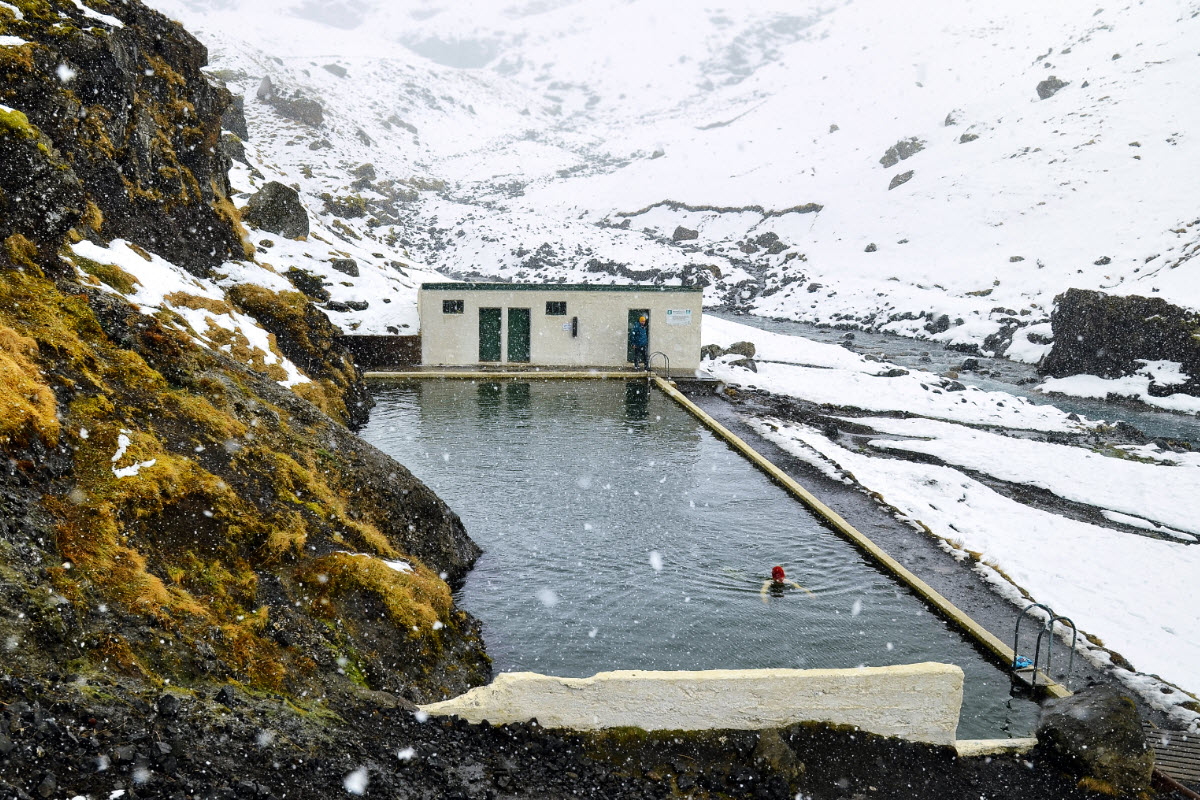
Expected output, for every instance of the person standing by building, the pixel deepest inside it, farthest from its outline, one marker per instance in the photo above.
(641, 343)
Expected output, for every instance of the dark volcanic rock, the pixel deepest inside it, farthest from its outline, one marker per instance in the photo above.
(967, 137)
(233, 148)
(900, 179)
(1050, 87)
(901, 150)
(277, 208)
(744, 349)
(347, 266)
(234, 118)
(870, 248)
(1097, 734)
(683, 234)
(1099, 334)
(294, 106)
(136, 120)
(308, 283)
(40, 195)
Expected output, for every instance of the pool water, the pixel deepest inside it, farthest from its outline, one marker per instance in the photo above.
(618, 533)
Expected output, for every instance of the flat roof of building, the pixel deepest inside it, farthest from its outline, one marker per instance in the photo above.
(564, 287)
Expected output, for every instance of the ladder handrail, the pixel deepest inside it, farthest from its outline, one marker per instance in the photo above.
(1047, 627)
(666, 358)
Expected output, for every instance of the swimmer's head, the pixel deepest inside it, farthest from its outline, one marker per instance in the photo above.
(777, 574)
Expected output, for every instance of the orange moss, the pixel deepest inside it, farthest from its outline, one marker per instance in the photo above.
(417, 598)
(28, 408)
(238, 346)
(195, 301)
(109, 274)
(21, 251)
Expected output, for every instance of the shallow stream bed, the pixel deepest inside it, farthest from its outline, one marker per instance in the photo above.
(993, 375)
(620, 534)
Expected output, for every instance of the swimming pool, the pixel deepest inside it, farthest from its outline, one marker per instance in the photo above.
(618, 533)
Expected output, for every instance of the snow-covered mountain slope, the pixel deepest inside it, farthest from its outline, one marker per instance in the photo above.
(535, 129)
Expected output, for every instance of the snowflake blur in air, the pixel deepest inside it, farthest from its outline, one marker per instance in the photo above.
(356, 781)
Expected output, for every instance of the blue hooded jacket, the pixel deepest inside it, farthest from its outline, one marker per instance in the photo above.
(641, 336)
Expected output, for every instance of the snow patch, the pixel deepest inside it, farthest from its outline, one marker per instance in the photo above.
(111, 22)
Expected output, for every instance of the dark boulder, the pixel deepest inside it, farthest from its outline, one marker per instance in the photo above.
(277, 208)
(900, 179)
(266, 89)
(745, 363)
(294, 106)
(745, 349)
(939, 324)
(905, 148)
(683, 234)
(336, 70)
(346, 266)
(711, 351)
(771, 243)
(1099, 334)
(870, 248)
(1097, 734)
(300, 109)
(1050, 87)
(307, 283)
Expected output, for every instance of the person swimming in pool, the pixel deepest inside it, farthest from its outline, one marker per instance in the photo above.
(778, 584)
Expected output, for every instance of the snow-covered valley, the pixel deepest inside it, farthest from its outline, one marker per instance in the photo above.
(941, 172)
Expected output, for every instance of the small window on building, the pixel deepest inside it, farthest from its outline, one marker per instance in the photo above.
(452, 306)
(556, 308)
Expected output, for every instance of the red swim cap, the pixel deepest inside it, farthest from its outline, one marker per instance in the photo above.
(777, 574)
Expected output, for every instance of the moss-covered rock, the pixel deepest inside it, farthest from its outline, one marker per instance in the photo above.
(190, 519)
(307, 337)
(127, 112)
(277, 208)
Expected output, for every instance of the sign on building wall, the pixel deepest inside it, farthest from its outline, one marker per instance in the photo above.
(679, 316)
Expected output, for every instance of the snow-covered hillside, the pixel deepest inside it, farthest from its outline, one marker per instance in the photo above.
(940, 170)
(572, 139)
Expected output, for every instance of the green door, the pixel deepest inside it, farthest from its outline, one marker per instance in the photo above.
(489, 334)
(518, 335)
(634, 313)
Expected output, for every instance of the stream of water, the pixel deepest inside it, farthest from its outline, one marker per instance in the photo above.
(994, 374)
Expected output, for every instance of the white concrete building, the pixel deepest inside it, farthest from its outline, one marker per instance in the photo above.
(556, 325)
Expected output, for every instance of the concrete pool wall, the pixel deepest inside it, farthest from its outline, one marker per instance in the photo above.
(918, 702)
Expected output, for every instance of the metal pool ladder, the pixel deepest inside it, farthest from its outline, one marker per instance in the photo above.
(1027, 670)
(666, 359)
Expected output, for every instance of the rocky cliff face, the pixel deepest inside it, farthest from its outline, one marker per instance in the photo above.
(130, 124)
(1099, 334)
(172, 513)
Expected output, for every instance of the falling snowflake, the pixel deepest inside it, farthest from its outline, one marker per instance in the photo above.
(356, 782)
